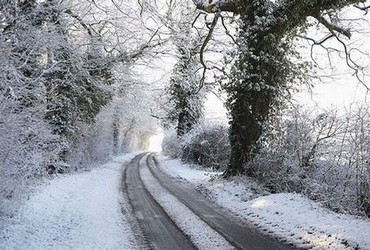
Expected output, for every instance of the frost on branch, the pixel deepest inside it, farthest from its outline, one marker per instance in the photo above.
(212, 6)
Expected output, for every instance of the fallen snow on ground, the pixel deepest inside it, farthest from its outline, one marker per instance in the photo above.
(292, 217)
(74, 211)
(202, 235)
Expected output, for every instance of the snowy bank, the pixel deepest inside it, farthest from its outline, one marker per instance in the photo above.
(74, 211)
(292, 217)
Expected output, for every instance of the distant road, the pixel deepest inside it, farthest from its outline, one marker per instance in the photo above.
(162, 233)
(159, 230)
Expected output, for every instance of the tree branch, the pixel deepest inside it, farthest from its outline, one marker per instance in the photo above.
(332, 27)
(208, 37)
(83, 24)
(227, 31)
(352, 64)
(125, 57)
(196, 18)
(213, 6)
(363, 8)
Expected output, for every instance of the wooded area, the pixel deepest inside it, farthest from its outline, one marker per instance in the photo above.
(73, 90)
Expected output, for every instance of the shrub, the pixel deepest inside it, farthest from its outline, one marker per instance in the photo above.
(324, 156)
(171, 144)
(207, 145)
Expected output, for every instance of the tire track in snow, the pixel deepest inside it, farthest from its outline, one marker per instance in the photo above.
(240, 235)
(159, 230)
(203, 236)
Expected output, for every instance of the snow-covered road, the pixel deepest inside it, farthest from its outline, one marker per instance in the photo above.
(88, 211)
(240, 235)
(159, 231)
(288, 216)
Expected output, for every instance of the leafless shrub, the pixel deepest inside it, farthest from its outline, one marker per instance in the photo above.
(325, 157)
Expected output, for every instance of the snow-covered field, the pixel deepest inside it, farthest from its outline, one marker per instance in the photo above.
(292, 217)
(76, 211)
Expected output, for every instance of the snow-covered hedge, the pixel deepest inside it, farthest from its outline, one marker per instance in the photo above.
(326, 157)
(171, 144)
(206, 145)
(27, 146)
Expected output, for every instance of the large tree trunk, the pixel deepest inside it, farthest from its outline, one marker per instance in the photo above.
(259, 74)
(245, 130)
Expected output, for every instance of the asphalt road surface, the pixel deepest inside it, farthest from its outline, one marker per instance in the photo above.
(160, 232)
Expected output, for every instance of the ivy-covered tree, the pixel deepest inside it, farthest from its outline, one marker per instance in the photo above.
(263, 69)
(185, 93)
(184, 96)
(259, 79)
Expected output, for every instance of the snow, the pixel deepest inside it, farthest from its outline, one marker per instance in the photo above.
(88, 211)
(76, 211)
(288, 216)
(202, 235)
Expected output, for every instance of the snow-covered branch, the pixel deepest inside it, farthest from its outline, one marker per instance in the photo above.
(212, 6)
(333, 27)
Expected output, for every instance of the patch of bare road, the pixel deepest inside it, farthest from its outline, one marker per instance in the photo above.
(158, 229)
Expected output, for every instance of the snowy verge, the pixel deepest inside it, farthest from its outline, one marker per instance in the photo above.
(202, 235)
(74, 211)
(292, 217)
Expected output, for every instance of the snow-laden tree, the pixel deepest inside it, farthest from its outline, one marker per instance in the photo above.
(59, 65)
(264, 69)
(84, 55)
(184, 92)
(26, 139)
(185, 96)
(121, 126)
(70, 76)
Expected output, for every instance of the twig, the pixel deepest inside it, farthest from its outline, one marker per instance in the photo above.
(351, 64)
(88, 28)
(364, 8)
(208, 37)
(227, 31)
(196, 18)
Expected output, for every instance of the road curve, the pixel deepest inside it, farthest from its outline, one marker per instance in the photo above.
(240, 235)
(159, 230)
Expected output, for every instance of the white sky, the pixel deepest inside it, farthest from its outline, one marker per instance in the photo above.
(333, 95)
(338, 91)
(343, 88)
